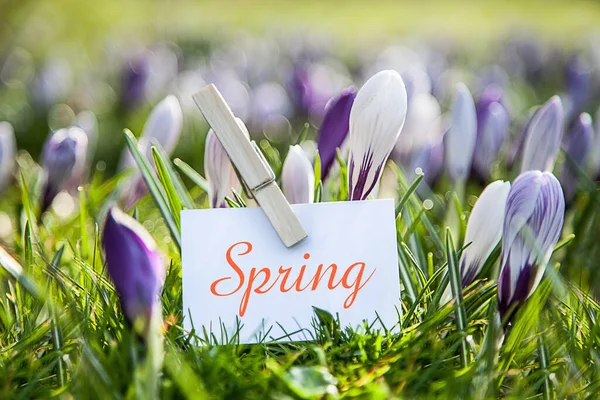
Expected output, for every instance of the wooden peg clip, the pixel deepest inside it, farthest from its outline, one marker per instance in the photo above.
(251, 165)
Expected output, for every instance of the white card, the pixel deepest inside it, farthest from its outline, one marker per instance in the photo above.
(237, 272)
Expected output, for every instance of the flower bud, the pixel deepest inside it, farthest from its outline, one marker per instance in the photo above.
(297, 177)
(484, 230)
(135, 267)
(63, 159)
(460, 139)
(578, 144)
(490, 136)
(163, 125)
(8, 148)
(533, 221)
(219, 171)
(376, 119)
(134, 77)
(543, 137)
(334, 128)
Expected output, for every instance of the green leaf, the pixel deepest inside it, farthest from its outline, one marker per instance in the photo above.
(153, 187)
(168, 187)
(456, 286)
(184, 194)
(192, 175)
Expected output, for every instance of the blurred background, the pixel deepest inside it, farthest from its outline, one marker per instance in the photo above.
(104, 65)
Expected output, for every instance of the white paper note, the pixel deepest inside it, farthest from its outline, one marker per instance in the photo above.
(236, 270)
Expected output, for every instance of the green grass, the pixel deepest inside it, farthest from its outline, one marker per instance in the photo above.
(38, 24)
(62, 333)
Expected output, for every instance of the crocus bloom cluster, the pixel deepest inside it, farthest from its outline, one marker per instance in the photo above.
(135, 267)
(484, 229)
(543, 137)
(577, 144)
(334, 128)
(63, 160)
(8, 149)
(460, 140)
(533, 220)
(220, 174)
(376, 119)
(297, 177)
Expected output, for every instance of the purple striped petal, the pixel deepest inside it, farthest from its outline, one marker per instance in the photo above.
(533, 222)
(220, 174)
(376, 119)
(543, 137)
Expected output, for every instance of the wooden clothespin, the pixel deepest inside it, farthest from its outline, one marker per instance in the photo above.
(251, 165)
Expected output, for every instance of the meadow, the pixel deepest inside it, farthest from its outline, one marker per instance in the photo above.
(489, 145)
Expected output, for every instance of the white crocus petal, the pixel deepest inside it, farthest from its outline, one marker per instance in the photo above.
(163, 125)
(543, 137)
(220, 174)
(423, 124)
(484, 229)
(460, 140)
(376, 119)
(297, 177)
(8, 149)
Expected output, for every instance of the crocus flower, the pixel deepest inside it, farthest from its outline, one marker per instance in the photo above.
(163, 125)
(494, 128)
(543, 137)
(220, 174)
(297, 177)
(8, 148)
(376, 119)
(484, 229)
(135, 267)
(460, 140)
(63, 159)
(577, 144)
(579, 84)
(533, 220)
(334, 128)
(134, 77)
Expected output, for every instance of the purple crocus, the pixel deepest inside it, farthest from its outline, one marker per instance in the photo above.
(543, 137)
(491, 133)
(579, 84)
(577, 144)
(297, 177)
(334, 128)
(460, 139)
(63, 159)
(376, 119)
(134, 77)
(533, 221)
(135, 267)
